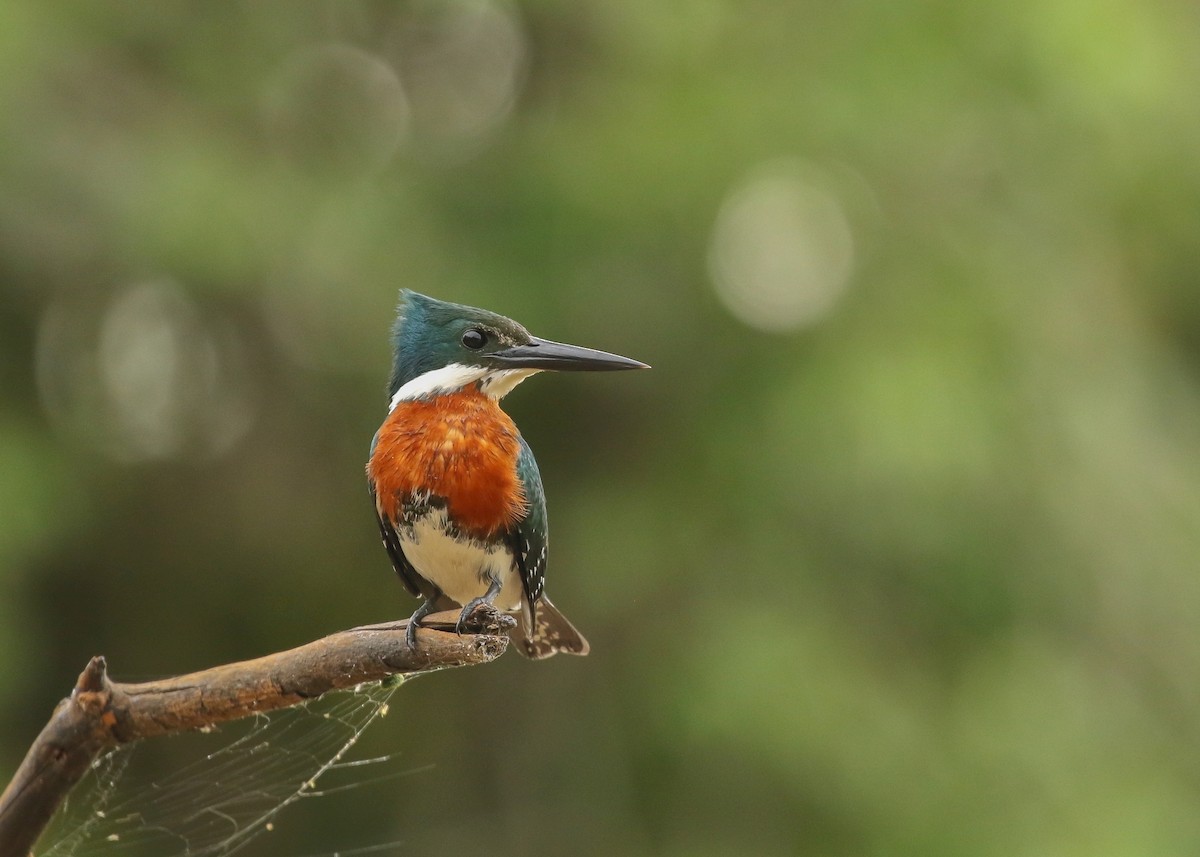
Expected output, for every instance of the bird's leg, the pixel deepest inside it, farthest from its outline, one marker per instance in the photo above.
(475, 603)
(429, 606)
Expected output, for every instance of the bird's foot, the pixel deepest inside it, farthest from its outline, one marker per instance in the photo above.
(480, 616)
(410, 633)
(486, 600)
(483, 617)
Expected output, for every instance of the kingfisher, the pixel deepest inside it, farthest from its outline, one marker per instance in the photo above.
(456, 488)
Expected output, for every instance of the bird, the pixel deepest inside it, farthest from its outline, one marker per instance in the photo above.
(457, 491)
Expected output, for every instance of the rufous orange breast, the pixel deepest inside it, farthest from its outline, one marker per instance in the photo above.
(460, 447)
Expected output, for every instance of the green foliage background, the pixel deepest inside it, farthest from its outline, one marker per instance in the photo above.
(915, 573)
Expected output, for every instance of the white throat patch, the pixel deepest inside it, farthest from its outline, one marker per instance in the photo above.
(444, 380)
(500, 384)
(496, 383)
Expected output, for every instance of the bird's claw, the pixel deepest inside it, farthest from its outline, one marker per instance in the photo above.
(468, 620)
(410, 633)
(480, 616)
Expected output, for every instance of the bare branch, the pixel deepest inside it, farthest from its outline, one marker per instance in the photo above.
(101, 713)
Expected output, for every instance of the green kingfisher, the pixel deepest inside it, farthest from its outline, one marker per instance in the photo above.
(456, 488)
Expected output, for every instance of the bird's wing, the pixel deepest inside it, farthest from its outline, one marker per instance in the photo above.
(529, 537)
(545, 630)
(391, 540)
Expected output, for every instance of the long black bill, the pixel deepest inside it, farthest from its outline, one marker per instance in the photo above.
(544, 354)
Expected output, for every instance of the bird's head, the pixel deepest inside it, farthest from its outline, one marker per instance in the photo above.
(441, 347)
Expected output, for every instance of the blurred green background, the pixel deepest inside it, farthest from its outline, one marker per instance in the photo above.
(893, 553)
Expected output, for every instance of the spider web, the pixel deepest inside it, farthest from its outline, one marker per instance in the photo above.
(243, 775)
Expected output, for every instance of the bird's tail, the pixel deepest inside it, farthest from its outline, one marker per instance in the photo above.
(551, 633)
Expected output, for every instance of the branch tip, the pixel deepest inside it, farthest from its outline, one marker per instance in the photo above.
(93, 677)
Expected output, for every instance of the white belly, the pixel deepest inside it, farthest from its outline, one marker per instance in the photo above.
(462, 570)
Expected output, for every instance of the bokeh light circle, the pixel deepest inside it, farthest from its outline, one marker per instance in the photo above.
(782, 251)
(337, 105)
(144, 377)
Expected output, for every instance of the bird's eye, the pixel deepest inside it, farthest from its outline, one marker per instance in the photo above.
(474, 338)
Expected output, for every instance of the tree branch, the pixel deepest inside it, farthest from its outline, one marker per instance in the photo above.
(101, 713)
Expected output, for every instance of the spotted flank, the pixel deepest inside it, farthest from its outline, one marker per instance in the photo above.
(462, 567)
